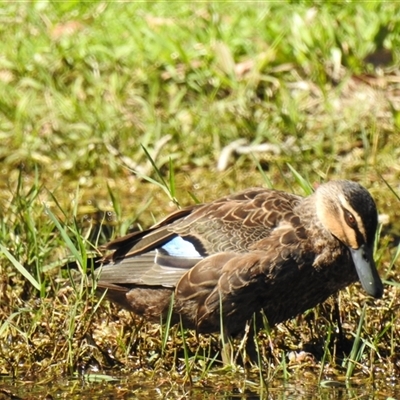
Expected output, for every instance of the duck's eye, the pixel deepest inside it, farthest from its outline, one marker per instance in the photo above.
(349, 217)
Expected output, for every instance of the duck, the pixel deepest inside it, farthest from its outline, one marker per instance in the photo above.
(256, 251)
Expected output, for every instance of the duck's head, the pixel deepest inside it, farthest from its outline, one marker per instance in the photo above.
(348, 212)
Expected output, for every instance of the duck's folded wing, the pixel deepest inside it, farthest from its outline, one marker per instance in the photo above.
(137, 243)
(232, 223)
(163, 266)
(161, 255)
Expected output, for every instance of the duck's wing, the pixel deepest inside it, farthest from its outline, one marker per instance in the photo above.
(162, 254)
(140, 242)
(155, 257)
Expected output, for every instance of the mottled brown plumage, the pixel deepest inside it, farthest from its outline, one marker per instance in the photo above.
(259, 249)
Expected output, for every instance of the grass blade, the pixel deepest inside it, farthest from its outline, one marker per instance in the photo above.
(356, 350)
(304, 184)
(65, 236)
(20, 268)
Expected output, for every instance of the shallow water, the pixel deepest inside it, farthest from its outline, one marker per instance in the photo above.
(127, 388)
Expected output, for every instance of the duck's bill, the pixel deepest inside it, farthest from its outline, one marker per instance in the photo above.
(366, 270)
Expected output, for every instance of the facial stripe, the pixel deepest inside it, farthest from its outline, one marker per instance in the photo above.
(357, 229)
(354, 229)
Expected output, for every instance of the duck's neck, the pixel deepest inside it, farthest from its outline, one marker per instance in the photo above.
(320, 240)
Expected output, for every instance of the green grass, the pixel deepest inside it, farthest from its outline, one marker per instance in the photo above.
(112, 114)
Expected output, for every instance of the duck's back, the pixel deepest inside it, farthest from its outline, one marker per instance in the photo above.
(160, 255)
